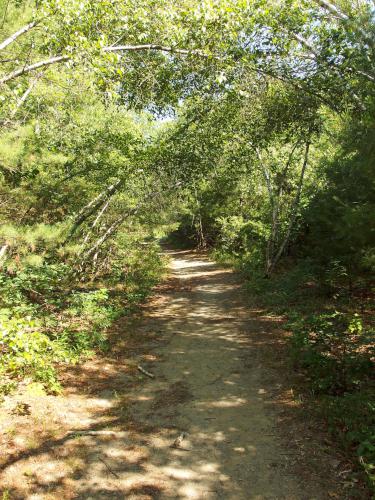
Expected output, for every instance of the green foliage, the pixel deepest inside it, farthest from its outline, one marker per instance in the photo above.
(26, 351)
(335, 351)
(294, 286)
(237, 235)
(351, 419)
(340, 218)
(331, 344)
(44, 321)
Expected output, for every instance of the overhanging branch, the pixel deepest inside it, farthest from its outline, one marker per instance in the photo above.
(18, 33)
(31, 67)
(118, 48)
(153, 46)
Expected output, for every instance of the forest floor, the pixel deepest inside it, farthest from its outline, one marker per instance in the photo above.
(217, 421)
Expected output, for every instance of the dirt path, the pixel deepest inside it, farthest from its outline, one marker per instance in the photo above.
(211, 387)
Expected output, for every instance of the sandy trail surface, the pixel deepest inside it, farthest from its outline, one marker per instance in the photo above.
(201, 429)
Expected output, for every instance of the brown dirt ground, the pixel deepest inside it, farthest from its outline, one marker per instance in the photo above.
(220, 383)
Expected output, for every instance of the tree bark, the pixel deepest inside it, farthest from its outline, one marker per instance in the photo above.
(271, 243)
(101, 212)
(18, 33)
(23, 98)
(31, 67)
(266, 174)
(3, 251)
(120, 48)
(113, 227)
(153, 46)
(332, 9)
(111, 230)
(92, 207)
(336, 12)
(293, 215)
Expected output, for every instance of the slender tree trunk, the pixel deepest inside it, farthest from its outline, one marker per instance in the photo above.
(270, 248)
(22, 99)
(120, 48)
(3, 251)
(31, 67)
(117, 223)
(114, 226)
(104, 208)
(276, 202)
(293, 214)
(18, 33)
(267, 178)
(201, 238)
(266, 174)
(110, 231)
(91, 208)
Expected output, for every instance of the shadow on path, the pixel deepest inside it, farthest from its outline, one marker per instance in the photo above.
(112, 434)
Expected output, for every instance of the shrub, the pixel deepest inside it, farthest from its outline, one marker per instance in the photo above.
(25, 350)
(44, 321)
(334, 349)
(336, 352)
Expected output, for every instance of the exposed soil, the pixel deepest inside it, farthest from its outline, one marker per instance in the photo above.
(218, 421)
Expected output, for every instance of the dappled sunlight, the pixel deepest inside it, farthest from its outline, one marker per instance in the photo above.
(229, 402)
(143, 398)
(177, 473)
(197, 429)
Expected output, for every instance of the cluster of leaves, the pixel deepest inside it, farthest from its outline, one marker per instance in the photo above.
(339, 223)
(26, 351)
(351, 419)
(39, 320)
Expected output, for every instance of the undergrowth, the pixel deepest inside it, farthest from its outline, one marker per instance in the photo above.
(331, 343)
(49, 317)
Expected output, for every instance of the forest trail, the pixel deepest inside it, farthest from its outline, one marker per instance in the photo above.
(112, 434)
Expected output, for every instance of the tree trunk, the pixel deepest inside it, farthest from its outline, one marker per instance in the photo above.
(32, 67)
(115, 225)
(293, 216)
(275, 202)
(91, 208)
(3, 251)
(104, 208)
(18, 33)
